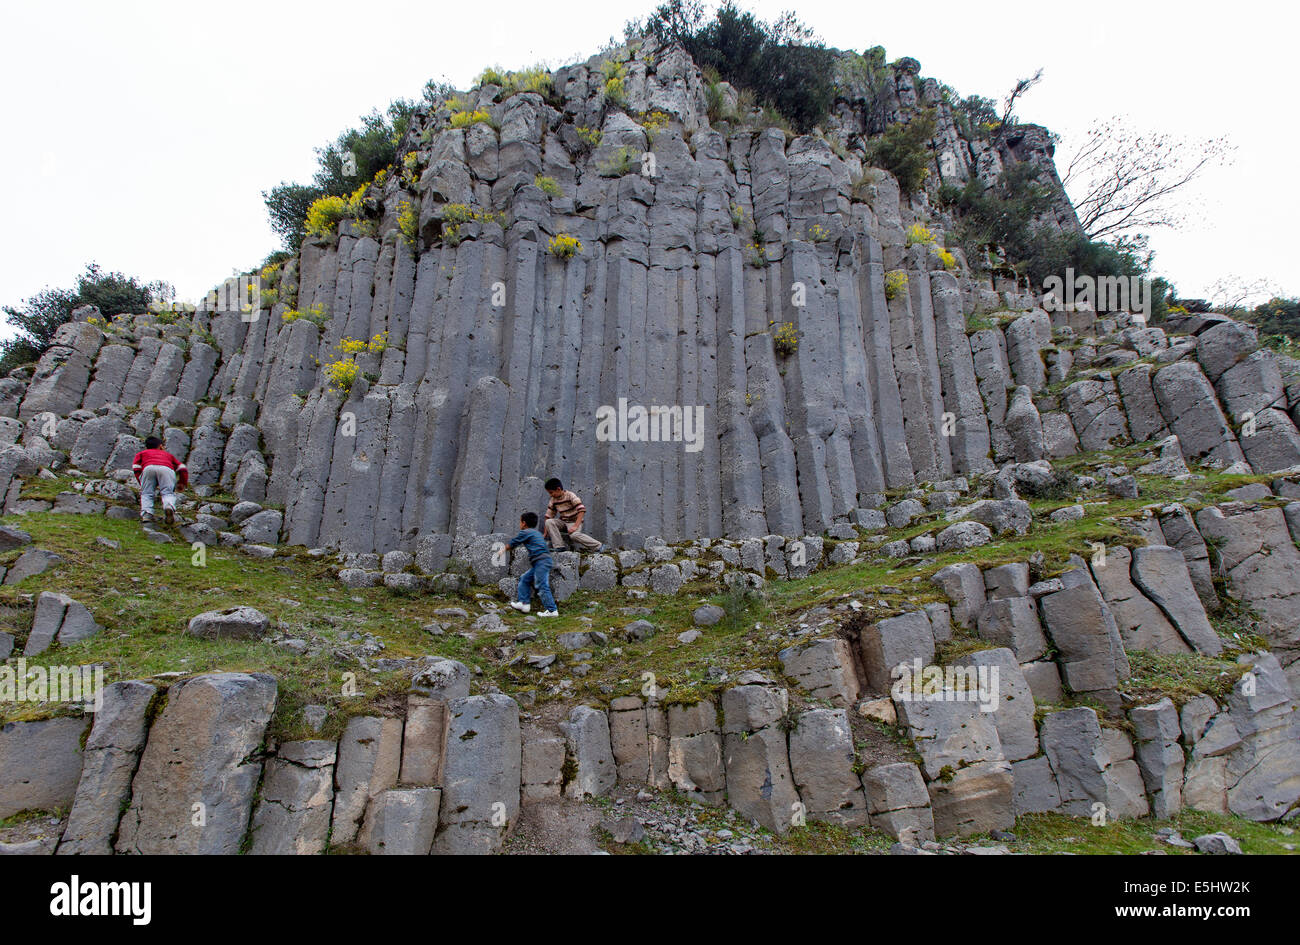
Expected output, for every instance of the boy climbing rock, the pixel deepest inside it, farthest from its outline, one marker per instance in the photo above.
(537, 577)
(158, 472)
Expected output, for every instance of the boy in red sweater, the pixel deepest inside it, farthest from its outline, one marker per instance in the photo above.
(158, 471)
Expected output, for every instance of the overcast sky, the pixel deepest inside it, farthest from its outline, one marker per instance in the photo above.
(141, 135)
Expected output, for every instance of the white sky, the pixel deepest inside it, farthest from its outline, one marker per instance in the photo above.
(141, 135)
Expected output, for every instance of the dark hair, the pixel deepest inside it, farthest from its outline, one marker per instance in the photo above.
(553, 483)
(152, 443)
(529, 519)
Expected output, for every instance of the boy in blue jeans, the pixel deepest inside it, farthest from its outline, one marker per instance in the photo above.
(537, 577)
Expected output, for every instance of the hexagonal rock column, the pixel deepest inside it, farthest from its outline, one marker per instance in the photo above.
(821, 762)
(40, 764)
(1091, 766)
(481, 775)
(756, 756)
(695, 764)
(369, 760)
(899, 802)
(587, 734)
(296, 799)
(199, 752)
(112, 752)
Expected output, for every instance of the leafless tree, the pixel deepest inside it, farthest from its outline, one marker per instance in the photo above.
(1231, 294)
(1124, 181)
(1009, 103)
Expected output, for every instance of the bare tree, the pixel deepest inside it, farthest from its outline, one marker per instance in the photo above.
(1009, 103)
(1126, 180)
(1231, 294)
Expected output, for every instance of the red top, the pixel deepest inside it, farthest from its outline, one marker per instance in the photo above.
(160, 458)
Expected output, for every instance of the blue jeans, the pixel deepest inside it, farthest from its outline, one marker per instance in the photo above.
(538, 578)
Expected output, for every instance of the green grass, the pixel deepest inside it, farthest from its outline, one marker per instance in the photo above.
(1052, 833)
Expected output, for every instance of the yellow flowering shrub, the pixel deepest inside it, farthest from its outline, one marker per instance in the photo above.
(591, 137)
(895, 282)
(564, 246)
(341, 374)
(316, 315)
(785, 340)
(463, 119)
(323, 217)
(654, 122)
(548, 186)
(916, 233)
(948, 259)
(408, 221)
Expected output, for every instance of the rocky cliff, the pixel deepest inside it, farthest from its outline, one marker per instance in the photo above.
(873, 411)
(698, 242)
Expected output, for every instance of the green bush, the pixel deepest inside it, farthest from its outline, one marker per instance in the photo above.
(373, 147)
(39, 317)
(786, 67)
(904, 151)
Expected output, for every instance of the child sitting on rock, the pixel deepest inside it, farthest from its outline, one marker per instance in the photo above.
(538, 576)
(158, 472)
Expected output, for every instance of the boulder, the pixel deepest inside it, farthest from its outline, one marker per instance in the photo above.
(234, 623)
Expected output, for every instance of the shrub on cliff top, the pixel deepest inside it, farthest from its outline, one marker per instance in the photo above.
(786, 66)
(39, 317)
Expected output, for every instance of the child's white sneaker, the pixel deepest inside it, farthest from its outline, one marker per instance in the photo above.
(522, 608)
(549, 613)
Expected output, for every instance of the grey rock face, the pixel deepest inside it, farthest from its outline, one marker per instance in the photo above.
(1078, 621)
(824, 670)
(1161, 573)
(1087, 768)
(963, 584)
(894, 641)
(976, 800)
(1013, 715)
(296, 799)
(481, 771)
(821, 763)
(693, 761)
(405, 821)
(1254, 548)
(112, 751)
(199, 752)
(1159, 756)
(759, 783)
(59, 617)
(1245, 761)
(1189, 406)
(40, 764)
(963, 535)
(1142, 625)
(587, 733)
(369, 761)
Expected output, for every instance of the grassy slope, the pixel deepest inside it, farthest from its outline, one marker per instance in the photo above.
(144, 593)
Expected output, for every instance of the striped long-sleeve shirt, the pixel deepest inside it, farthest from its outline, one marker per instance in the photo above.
(566, 508)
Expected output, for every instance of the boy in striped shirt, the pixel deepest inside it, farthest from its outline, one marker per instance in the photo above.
(564, 516)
